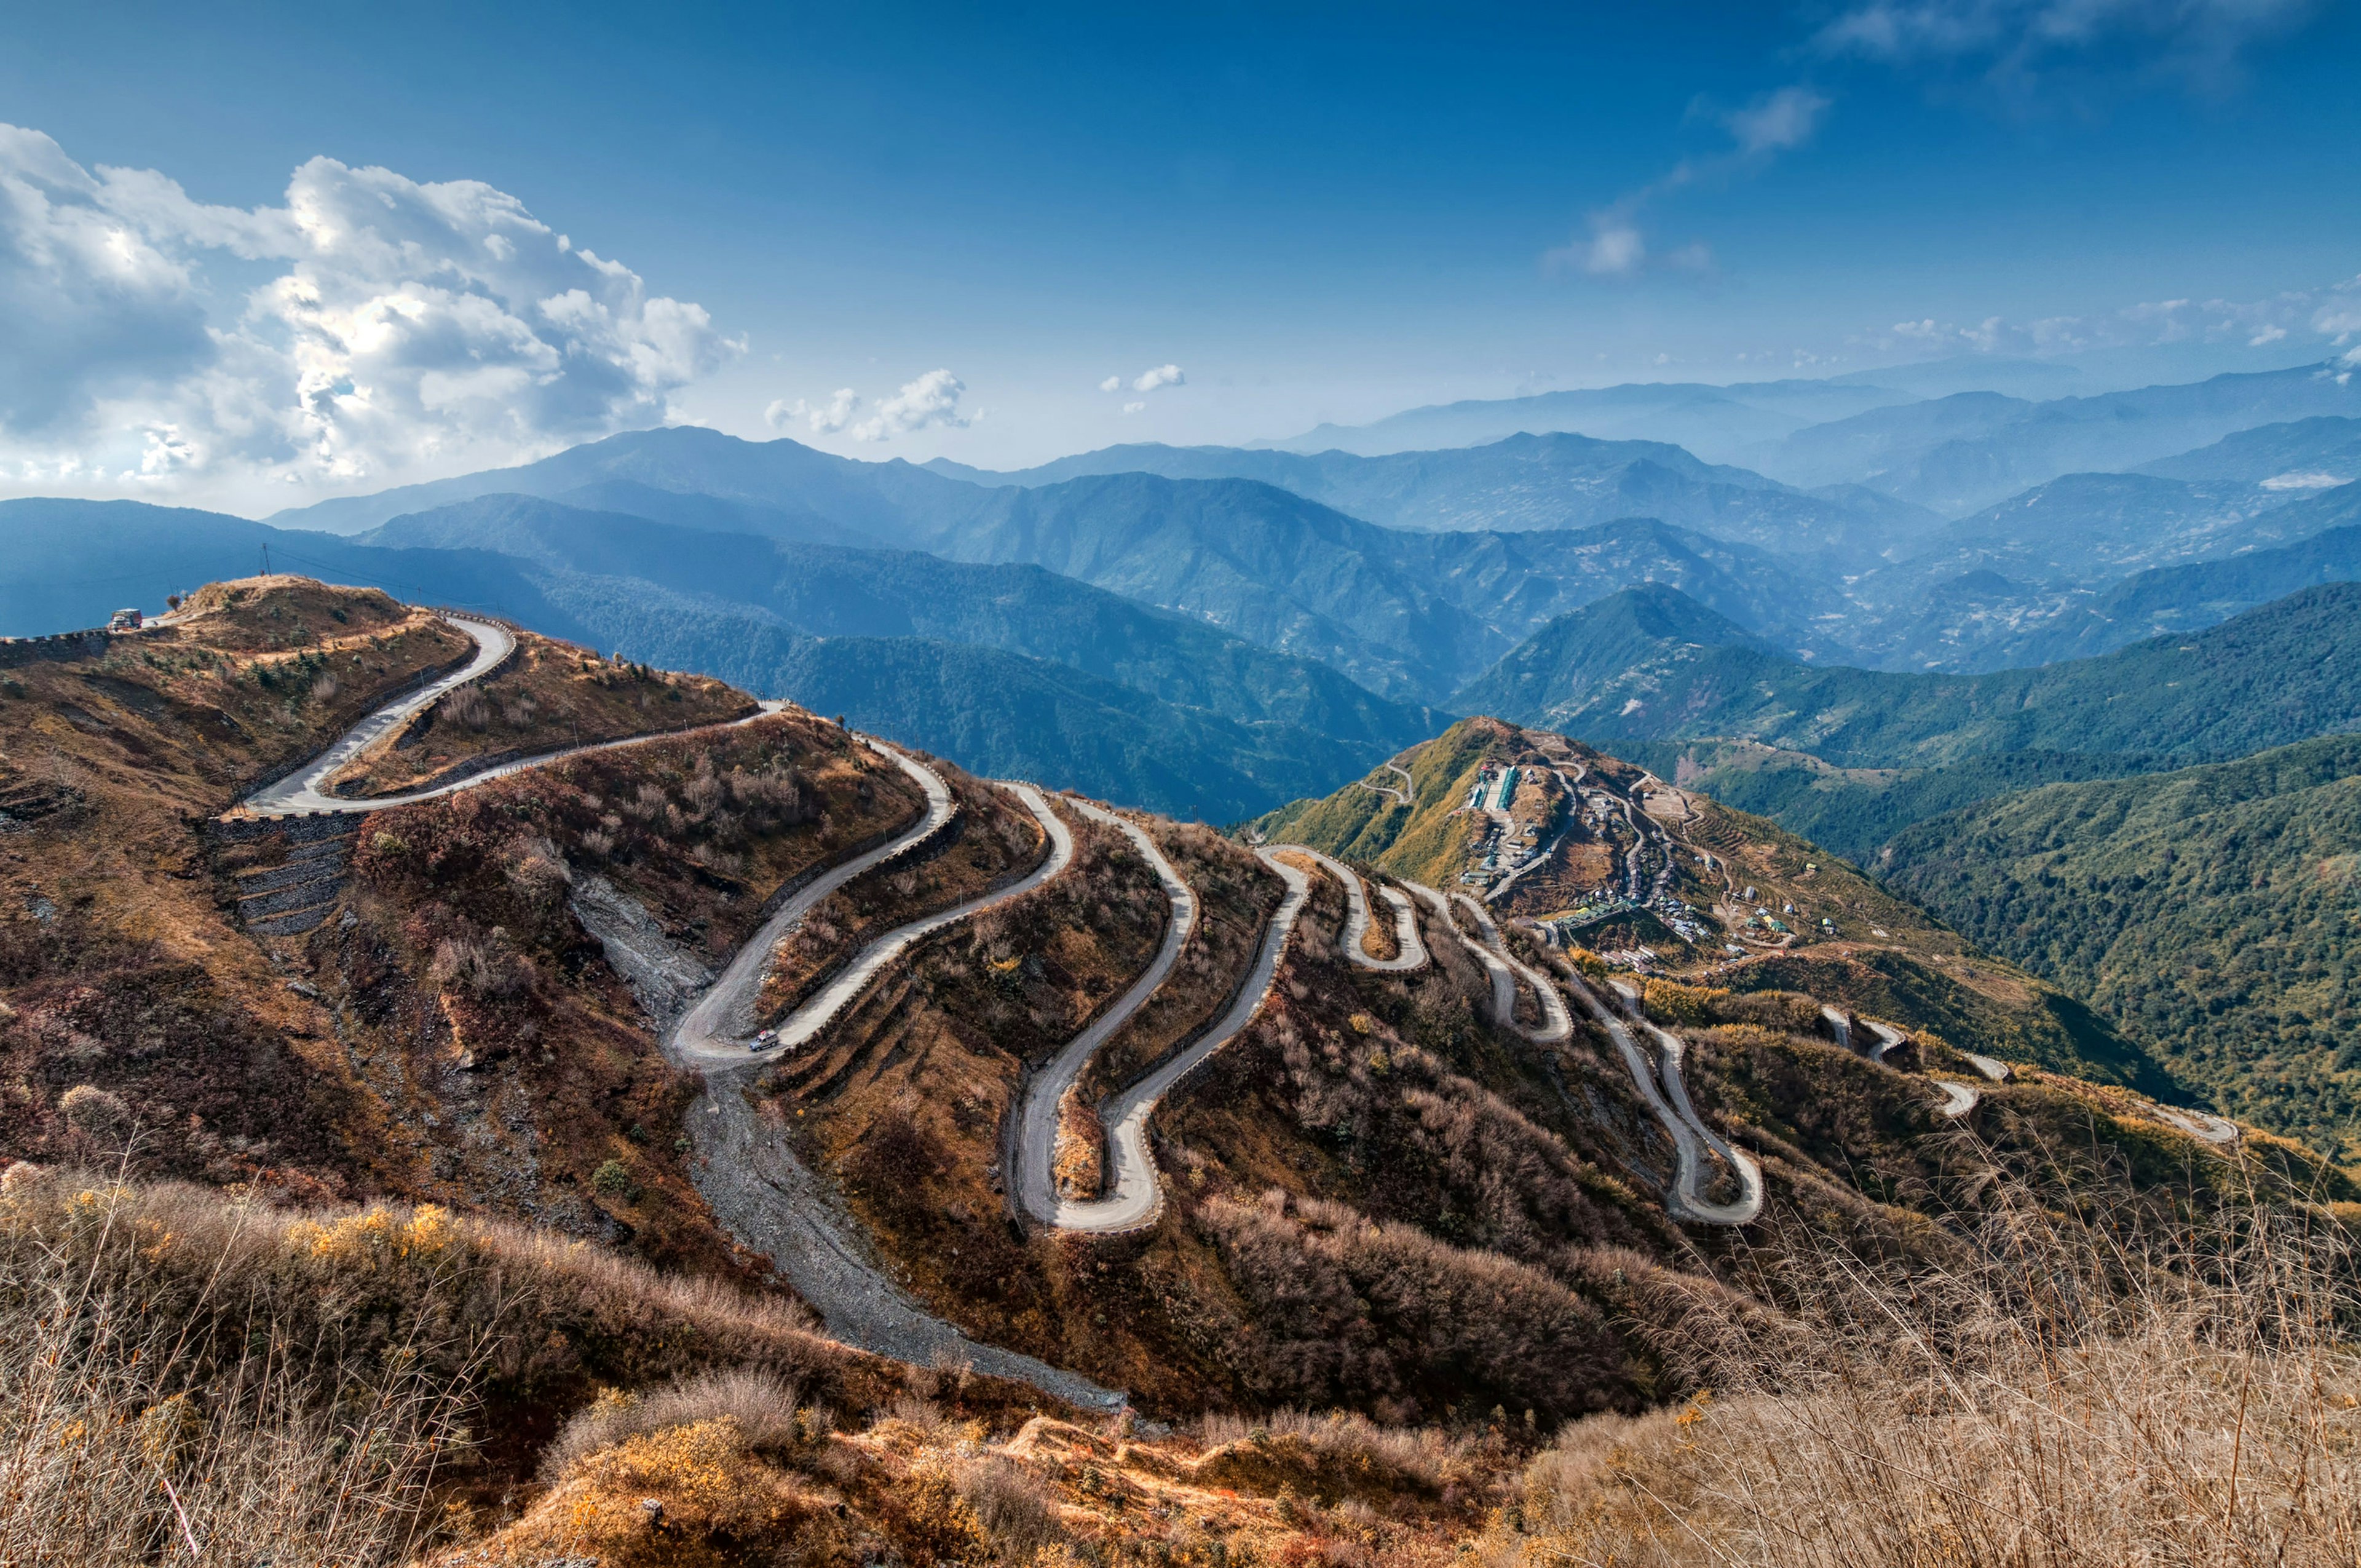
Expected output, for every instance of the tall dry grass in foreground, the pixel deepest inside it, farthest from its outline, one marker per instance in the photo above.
(187, 1377)
(133, 1429)
(2056, 1396)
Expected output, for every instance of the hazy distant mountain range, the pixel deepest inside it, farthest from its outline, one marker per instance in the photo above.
(1208, 630)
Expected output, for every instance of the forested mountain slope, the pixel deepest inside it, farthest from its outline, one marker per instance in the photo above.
(2212, 913)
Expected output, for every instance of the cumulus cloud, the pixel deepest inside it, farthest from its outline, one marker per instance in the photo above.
(398, 329)
(1112, 384)
(932, 399)
(1161, 377)
(825, 419)
(1133, 408)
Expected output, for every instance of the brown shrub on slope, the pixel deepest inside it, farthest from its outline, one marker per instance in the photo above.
(1350, 1312)
(548, 695)
(118, 966)
(475, 983)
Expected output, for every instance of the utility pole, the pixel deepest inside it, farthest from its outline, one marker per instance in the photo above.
(265, 560)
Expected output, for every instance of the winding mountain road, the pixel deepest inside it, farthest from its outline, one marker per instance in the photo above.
(718, 1025)
(1134, 1194)
(303, 793)
(767, 1197)
(1399, 796)
(1505, 968)
(1959, 1099)
(1669, 1101)
(1036, 1126)
(2202, 1125)
(1412, 953)
(760, 1194)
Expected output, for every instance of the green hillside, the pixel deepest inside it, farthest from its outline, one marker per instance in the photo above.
(2212, 913)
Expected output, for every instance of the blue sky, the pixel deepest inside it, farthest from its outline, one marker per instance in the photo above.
(1312, 213)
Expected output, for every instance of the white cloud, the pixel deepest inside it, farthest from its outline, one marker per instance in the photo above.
(825, 419)
(397, 330)
(1112, 384)
(1161, 377)
(1618, 248)
(931, 399)
(1133, 408)
(1776, 121)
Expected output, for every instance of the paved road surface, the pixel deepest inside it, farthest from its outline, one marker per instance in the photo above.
(1412, 951)
(1669, 1101)
(768, 1198)
(2200, 1124)
(1506, 968)
(721, 1021)
(1401, 796)
(758, 1189)
(300, 791)
(1134, 1194)
(718, 1026)
(1959, 1099)
(1036, 1126)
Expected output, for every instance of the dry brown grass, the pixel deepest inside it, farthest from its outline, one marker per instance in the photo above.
(2057, 1398)
(547, 696)
(129, 1433)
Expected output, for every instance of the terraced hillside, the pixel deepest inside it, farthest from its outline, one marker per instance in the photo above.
(941, 1100)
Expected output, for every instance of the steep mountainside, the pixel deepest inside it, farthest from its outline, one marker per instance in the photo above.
(509, 1124)
(2211, 913)
(1406, 614)
(1617, 859)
